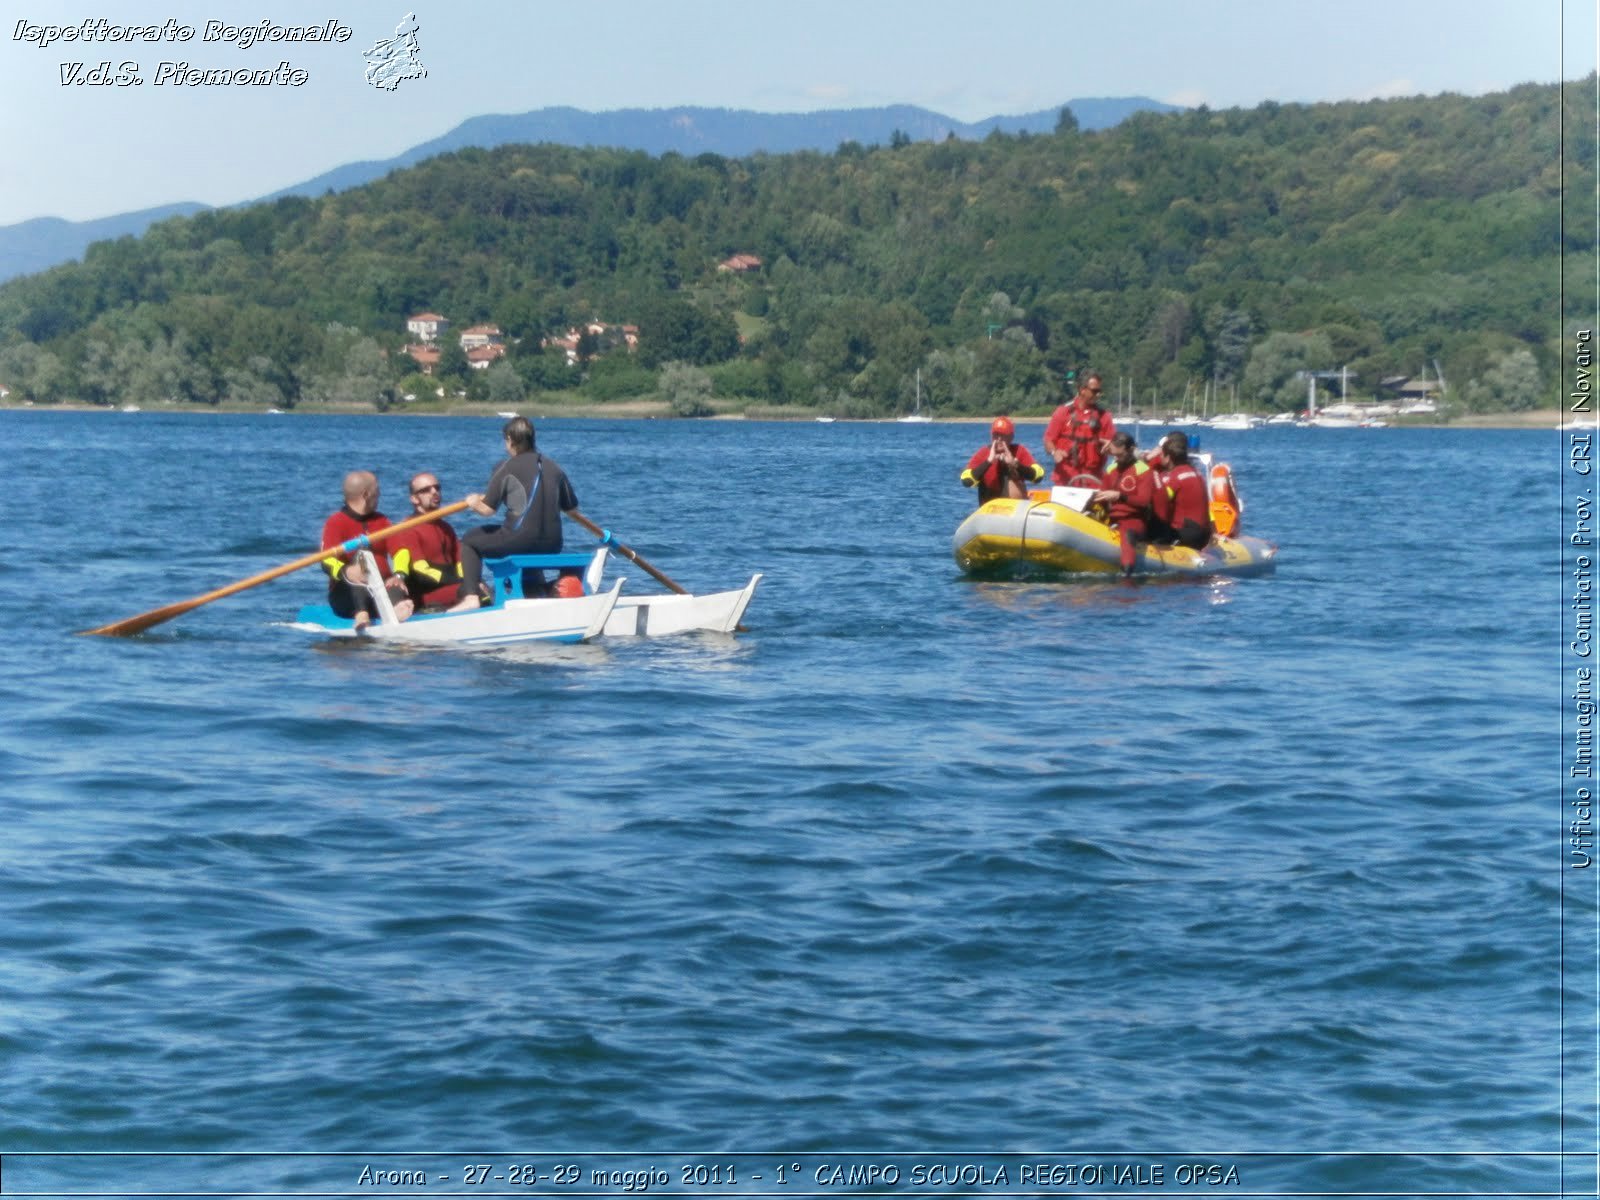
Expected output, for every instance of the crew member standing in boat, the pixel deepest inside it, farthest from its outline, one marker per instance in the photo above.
(1129, 488)
(427, 557)
(1182, 507)
(535, 492)
(1002, 468)
(1079, 434)
(347, 583)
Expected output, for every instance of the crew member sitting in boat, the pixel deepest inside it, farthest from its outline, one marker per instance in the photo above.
(1079, 434)
(1182, 508)
(347, 583)
(1002, 468)
(535, 492)
(427, 557)
(1129, 489)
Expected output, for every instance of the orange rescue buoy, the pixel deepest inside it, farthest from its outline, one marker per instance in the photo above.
(1225, 506)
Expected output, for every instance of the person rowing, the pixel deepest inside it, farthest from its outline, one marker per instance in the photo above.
(535, 492)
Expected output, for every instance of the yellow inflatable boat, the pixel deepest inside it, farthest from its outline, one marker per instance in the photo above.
(1046, 531)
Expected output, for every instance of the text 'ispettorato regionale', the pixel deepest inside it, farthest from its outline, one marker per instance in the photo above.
(100, 33)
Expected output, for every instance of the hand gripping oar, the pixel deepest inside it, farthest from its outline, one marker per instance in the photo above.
(606, 539)
(156, 616)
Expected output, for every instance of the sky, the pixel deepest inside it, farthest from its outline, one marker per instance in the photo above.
(84, 150)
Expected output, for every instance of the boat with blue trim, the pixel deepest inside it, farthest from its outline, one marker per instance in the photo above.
(579, 608)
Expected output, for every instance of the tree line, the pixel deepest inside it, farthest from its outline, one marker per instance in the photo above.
(1229, 249)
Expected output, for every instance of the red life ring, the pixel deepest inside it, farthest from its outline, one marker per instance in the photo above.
(1225, 506)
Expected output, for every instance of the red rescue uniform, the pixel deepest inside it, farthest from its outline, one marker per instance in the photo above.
(428, 557)
(347, 599)
(1132, 510)
(343, 526)
(1183, 507)
(1081, 430)
(989, 476)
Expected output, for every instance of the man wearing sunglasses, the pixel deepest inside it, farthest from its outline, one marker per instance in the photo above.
(1079, 435)
(428, 557)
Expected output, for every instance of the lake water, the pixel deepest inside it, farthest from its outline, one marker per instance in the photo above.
(1266, 874)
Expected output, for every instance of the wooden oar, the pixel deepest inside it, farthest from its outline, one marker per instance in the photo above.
(156, 616)
(605, 536)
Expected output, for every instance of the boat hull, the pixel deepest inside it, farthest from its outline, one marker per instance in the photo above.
(542, 620)
(513, 618)
(658, 616)
(1011, 535)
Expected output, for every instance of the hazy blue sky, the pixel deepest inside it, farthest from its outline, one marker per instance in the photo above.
(87, 151)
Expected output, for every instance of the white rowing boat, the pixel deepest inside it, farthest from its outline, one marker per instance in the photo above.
(511, 618)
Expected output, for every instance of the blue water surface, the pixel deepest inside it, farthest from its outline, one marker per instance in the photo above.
(916, 862)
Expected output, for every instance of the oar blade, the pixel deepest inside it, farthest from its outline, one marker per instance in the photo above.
(138, 624)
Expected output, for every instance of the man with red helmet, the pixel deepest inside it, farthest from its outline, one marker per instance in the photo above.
(1002, 468)
(1079, 434)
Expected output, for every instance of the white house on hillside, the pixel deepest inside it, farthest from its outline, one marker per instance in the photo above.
(427, 326)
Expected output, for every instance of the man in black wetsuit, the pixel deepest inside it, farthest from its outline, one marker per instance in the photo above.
(535, 492)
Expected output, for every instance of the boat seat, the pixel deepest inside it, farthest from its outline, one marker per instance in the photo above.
(508, 570)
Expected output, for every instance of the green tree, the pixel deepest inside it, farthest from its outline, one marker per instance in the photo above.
(1511, 384)
(673, 330)
(362, 377)
(452, 369)
(251, 385)
(1274, 378)
(686, 389)
(30, 372)
(618, 377)
(998, 312)
(160, 371)
(1228, 330)
(952, 382)
(547, 372)
(504, 385)
(417, 386)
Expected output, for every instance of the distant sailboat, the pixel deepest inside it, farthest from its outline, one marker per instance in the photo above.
(1323, 420)
(915, 417)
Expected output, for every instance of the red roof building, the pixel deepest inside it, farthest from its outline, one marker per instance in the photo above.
(426, 357)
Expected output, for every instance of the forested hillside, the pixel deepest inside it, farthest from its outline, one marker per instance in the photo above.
(1232, 247)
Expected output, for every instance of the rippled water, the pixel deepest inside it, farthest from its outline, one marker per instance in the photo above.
(916, 863)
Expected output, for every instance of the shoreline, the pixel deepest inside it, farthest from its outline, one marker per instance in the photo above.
(1543, 418)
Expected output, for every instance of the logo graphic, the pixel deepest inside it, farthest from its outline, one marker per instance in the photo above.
(394, 59)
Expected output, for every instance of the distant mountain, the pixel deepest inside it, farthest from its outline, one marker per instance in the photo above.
(731, 132)
(46, 241)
